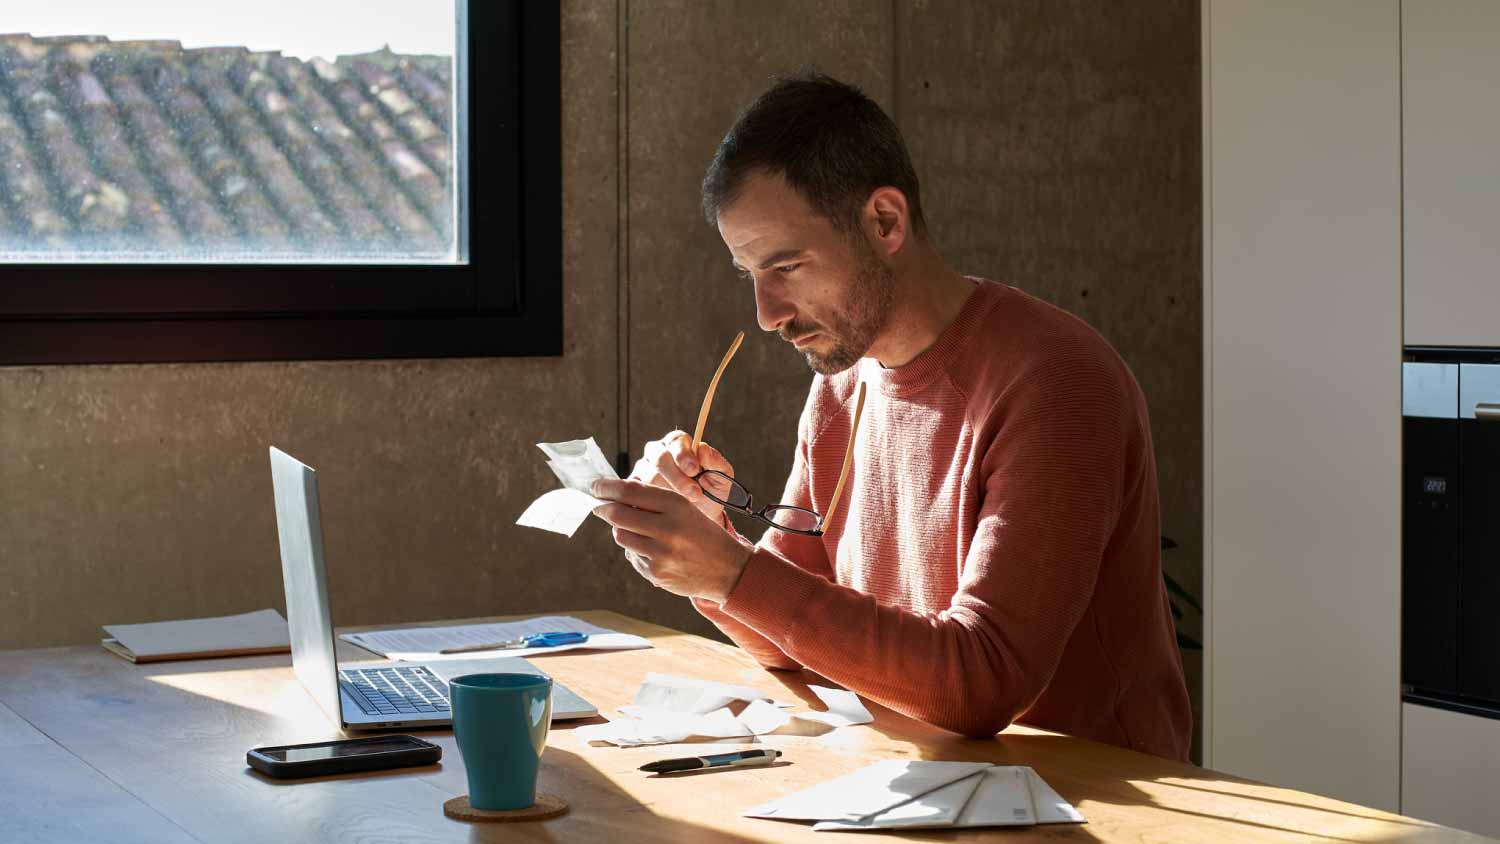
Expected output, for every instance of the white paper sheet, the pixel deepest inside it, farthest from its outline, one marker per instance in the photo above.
(762, 717)
(868, 791)
(259, 629)
(937, 808)
(686, 694)
(560, 511)
(941, 795)
(670, 709)
(577, 464)
(997, 796)
(844, 708)
(423, 643)
(1048, 804)
(1003, 798)
(719, 723)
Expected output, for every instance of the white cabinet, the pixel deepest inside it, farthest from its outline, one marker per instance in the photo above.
(1450, 769)
(1451, 158)
(1302, 331)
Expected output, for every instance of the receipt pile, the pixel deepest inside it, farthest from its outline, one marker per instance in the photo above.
(670, 709)
(577, 463)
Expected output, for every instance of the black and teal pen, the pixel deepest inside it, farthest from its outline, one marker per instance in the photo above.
(742, 759)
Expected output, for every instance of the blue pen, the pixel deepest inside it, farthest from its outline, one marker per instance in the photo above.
(540, 640)
(743, 759)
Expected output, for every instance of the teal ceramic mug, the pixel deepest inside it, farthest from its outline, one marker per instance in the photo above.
(501, 723)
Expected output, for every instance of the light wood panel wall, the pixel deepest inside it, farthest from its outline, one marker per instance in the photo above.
(1451, 174)
(1303, 376)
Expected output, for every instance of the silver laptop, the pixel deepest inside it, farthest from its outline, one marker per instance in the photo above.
(363, 697)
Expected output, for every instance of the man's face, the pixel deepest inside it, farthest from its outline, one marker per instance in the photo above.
(822, 290)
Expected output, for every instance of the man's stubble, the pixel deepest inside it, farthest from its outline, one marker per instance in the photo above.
(860, 319)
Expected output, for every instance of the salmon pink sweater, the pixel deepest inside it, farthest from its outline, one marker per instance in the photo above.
(996, 555)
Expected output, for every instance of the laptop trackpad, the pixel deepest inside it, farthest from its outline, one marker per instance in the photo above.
(565, 704)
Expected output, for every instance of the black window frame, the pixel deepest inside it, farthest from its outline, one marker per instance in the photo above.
(505, 301)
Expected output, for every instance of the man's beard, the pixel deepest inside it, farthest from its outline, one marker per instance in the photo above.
(855, 325)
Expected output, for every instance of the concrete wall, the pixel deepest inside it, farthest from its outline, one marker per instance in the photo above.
(1057, 145)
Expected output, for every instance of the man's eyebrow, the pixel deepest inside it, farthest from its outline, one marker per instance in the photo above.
(773, 259)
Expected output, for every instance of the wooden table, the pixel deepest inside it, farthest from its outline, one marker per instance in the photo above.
(93, 748)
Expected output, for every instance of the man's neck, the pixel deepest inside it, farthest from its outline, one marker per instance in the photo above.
(929, 296)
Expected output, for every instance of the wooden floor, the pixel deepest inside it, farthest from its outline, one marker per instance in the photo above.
(93, 748)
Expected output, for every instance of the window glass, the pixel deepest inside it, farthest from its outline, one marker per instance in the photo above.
(220, 131)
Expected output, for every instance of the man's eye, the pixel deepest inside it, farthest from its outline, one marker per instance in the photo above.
(786, 269)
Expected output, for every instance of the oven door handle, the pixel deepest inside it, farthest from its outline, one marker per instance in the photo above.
(1487, 411)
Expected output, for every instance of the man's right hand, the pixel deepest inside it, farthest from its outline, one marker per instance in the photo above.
(670, 464)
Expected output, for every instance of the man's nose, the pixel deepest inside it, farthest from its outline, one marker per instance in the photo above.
(771, 311)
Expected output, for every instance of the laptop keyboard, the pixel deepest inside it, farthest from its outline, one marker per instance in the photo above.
(398, 690)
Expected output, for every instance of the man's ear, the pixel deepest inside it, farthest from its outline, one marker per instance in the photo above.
(887, 220)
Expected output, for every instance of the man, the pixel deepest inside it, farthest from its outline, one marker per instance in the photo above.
(995, 555)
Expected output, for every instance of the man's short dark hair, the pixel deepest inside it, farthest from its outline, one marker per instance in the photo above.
(831, 143)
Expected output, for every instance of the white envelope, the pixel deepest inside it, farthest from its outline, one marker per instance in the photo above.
(937, 808)
(1048, 804)
(925, 795)
(868, 791)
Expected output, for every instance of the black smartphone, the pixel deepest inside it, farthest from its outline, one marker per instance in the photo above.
(321, 758)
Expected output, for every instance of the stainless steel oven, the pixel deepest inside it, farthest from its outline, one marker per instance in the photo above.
(1451, 529)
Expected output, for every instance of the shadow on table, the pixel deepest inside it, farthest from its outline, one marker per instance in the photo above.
(1089, 779)
(599, 810)
(1212, 803)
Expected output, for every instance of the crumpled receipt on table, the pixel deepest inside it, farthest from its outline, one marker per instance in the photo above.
(577, 463)
(670, 709)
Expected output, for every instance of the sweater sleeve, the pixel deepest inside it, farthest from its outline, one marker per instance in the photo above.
(805, 553)
(1052, 481)
(763, 650)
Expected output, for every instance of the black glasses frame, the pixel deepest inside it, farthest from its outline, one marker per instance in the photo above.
(748, 508)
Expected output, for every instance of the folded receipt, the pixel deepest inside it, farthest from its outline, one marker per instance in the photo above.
(577, 463)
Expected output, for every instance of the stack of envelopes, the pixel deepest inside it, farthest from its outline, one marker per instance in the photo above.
(906, 794)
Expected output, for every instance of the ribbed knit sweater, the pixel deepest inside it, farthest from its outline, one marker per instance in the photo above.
(996, 555)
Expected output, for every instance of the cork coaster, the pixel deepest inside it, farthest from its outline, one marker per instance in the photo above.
(546, 806)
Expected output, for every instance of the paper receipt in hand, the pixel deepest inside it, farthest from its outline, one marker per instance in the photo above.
(577, 463)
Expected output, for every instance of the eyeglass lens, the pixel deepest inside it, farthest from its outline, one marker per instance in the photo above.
(727, 491)
(792, 518)
(724, 489)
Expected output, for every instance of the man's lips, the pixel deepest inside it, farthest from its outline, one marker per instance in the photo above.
(804, 339)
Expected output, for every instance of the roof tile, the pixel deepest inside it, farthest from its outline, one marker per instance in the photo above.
(143, 145)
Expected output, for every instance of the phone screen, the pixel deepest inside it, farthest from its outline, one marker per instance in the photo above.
(341, 749)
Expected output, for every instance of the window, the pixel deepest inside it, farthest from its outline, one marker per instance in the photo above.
(282, 179)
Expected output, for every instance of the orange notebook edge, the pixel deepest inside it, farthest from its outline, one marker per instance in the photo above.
(119, 650)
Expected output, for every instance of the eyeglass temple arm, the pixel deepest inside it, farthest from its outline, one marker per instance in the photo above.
(833, 503)
(708, 398)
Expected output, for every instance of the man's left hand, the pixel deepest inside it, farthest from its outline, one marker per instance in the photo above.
(676, 546)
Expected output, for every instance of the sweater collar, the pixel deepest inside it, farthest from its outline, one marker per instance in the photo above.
(937, 358)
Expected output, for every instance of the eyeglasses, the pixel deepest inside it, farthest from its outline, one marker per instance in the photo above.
(727, 491)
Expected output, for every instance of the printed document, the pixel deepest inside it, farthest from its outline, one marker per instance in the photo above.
(422, 644)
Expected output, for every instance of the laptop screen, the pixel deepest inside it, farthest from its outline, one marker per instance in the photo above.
(305, 581)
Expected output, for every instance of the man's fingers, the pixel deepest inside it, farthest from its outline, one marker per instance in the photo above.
(636, 494)
(668, 470)
(641, 565)
(681, 447)
(631, 518)
(642, 545)
(710, 458)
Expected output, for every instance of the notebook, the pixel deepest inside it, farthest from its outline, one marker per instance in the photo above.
(259, 632)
